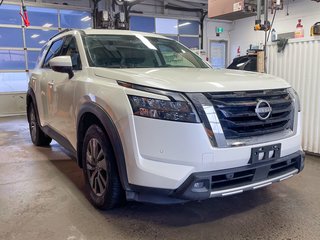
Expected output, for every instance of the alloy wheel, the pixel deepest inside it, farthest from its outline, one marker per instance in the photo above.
(96, 167)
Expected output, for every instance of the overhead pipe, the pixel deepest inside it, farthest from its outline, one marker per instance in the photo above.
(266, 6)
(258, 21)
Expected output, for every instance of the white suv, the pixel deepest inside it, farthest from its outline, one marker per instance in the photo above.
(148, 120)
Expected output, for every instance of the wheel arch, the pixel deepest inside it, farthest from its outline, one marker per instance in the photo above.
(91, 113)
(31, 98)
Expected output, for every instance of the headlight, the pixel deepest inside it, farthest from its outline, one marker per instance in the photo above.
(176, 108)
(295, 97)
(162, 109)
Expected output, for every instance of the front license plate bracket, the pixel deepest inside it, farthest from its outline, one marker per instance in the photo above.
(265, 153)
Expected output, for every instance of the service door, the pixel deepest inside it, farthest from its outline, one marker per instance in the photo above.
(218, 54)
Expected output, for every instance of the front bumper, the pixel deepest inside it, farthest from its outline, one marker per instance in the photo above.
(237, 180)
(204, 185)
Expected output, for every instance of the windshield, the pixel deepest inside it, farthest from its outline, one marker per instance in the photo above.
(137, 51)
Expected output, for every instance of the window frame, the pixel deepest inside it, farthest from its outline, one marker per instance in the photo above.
(71, 38)
(45, 65)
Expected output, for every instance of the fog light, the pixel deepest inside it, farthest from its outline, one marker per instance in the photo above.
(202, 186)
(198, 185)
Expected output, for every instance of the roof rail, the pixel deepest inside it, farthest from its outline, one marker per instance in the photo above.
(63, 31)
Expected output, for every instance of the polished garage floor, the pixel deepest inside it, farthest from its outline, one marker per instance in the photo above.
(41, 197)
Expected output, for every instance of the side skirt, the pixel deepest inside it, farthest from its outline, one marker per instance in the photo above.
(61, 140)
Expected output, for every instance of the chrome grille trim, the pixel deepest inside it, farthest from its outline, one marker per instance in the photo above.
(236, 112)
(214, 129)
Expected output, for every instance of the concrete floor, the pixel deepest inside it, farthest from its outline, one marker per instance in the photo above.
(41, 197)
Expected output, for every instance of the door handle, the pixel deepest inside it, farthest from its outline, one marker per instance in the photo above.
(51, 84)
(33, 80)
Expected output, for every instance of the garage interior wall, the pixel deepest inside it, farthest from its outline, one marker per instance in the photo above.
(242, 33)
(19, 52)
(210, 35)
(297, 64)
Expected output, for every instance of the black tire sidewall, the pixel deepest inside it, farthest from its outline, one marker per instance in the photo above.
(104, 201)
(35, 139)
(40, 139)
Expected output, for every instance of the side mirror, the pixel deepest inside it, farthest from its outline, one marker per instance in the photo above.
(62, 64)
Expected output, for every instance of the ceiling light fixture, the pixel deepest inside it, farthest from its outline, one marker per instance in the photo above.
(47, 25)
(35, 35)
(183, 24)
(85, 19)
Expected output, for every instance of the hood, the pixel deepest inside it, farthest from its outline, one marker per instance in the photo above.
(194, 79)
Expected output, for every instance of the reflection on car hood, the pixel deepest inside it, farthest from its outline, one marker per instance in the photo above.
(194, 79)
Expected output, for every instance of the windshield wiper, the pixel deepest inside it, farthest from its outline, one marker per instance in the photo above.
(175, 66)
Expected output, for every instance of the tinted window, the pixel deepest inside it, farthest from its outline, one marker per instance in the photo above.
(172, 58)
(121, 51)
(70, 48)
(238, 63)
(251, 65)
(54, 51)
(247, 63)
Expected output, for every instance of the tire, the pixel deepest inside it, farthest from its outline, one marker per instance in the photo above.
(100, 171)
(38, 137)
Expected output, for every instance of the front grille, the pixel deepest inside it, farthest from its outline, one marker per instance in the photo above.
(238, 119)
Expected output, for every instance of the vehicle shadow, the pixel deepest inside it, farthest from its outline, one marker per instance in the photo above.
(70, 169)
(191, 213)
(177, 215)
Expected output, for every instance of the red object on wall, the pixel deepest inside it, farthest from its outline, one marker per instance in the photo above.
(239, 52)
(299, 33)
